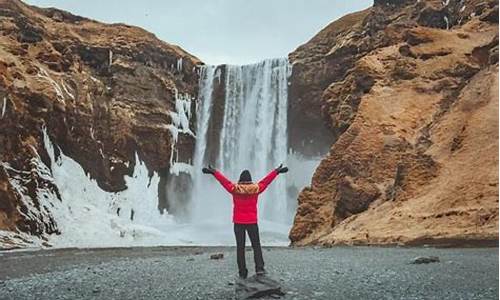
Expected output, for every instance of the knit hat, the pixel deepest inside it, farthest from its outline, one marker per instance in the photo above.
(245, 176)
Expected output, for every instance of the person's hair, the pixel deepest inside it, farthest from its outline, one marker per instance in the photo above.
(245, 176)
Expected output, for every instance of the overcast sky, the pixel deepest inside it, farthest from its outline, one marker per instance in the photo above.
(220, 31)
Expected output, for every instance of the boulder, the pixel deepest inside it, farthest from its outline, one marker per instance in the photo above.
(425, 260)
(257, 287)
(217, 256)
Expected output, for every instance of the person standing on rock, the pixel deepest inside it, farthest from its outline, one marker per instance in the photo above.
(245, 195)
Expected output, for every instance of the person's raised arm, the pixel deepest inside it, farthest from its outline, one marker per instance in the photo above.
(226, 183)
(264, 183)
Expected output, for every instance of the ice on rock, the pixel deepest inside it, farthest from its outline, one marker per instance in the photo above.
(101, 153)
(92, 133)
(19, 239)
(187, 108)
(4, 106)
(179, 64)
(176, 121)
(180, 119)
(174, 131)
(44, 75)
(39, 210)
(86, 215)
(179, 167)
(217, 75)
(182, 115)
(66, 90)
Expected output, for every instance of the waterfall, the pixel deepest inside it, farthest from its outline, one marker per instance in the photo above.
(250, 133)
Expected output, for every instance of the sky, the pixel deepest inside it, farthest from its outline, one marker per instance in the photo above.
(220, 31)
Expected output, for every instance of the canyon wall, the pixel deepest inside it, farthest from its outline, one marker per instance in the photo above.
(409, 93)
(102, 92)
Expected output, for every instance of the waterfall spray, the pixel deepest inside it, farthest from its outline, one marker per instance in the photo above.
(253, 136)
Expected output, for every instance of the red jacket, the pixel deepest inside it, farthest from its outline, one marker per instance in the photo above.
(245, 196)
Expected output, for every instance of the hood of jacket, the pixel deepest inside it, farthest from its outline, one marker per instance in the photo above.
(246, 188)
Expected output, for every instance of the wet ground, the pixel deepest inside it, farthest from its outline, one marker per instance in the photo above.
(306, 273)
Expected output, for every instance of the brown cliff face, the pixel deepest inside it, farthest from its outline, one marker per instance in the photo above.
(410, 92)
(104, 92)
(313, 71)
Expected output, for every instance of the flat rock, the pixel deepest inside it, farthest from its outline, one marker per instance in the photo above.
(217, 256)
(425, 260)
(258, 287)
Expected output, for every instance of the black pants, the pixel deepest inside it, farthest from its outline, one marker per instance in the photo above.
(253, 233)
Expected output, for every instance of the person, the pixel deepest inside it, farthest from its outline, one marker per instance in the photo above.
(245, 195)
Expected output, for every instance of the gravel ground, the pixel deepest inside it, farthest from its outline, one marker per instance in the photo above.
(306, 273)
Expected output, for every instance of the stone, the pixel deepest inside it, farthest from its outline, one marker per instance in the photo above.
(217, 256)
(257, 286)
(425, 260)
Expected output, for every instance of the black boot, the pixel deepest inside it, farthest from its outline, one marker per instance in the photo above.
(243, 274)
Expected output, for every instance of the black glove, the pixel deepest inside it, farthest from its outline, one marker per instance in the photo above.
(209, 170)
(281, 169)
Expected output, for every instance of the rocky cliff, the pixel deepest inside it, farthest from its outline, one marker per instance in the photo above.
(102, 92)
(409, 92)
